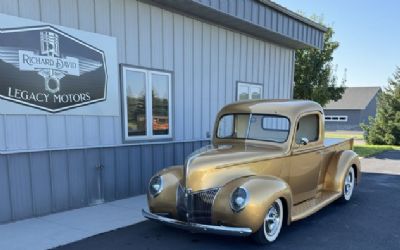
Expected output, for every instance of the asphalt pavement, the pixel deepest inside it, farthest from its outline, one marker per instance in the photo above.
(370, 221)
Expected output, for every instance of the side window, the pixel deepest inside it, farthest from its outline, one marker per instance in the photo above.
(308, 127)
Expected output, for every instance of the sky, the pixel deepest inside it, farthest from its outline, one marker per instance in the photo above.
(368, 32)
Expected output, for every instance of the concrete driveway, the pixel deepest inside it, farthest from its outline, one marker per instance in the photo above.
(370, 221)
(387, 162)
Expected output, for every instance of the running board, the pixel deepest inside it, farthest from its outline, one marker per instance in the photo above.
(311, 206)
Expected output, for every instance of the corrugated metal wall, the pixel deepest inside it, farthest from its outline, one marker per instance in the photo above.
(34, 184)
(206, 59)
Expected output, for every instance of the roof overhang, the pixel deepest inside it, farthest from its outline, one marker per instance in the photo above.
(260, 18)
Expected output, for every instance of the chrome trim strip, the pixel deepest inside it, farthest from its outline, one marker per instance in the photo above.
(198, 228)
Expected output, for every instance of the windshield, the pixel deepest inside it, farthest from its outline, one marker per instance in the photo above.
(254, 127)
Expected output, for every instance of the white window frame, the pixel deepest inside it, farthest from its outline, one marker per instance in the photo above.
(249, 85)
(149, 105)
(338, 118)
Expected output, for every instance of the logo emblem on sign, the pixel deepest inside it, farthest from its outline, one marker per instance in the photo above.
(72, 72)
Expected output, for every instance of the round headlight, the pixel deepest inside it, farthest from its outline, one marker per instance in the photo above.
(155, 185)
(239, 199)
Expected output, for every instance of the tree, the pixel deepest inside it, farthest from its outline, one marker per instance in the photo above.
(315, 75)
(384, 129)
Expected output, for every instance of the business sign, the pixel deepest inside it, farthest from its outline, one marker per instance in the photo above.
(48, 69)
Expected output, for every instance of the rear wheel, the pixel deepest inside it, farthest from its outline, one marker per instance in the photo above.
(348, 185)
(272, 224)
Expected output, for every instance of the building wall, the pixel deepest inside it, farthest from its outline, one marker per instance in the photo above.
(370, 110)
(206, 60)
(39, 183)
(353, 120)
(51, 163)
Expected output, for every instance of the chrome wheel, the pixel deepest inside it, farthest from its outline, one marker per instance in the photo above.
(349, 184)
(273, 221)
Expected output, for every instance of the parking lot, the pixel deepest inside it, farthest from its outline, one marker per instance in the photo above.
(370, 221)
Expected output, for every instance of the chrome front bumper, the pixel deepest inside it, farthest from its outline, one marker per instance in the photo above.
(198, 228)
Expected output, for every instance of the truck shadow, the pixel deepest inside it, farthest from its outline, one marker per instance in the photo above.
(389, 155)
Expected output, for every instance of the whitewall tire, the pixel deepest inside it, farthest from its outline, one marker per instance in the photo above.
(272, 225)
(348, 185)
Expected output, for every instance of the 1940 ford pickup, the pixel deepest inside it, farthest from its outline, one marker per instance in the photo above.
(268, 165)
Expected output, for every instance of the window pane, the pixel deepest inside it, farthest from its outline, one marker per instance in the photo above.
(136, 102)
(225, 127)
(308, 127)
(269, 128)
(160, 94)
(243, 92)
(255, 92)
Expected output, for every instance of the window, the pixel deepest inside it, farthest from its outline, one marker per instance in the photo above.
(147, 104)
(336, 118)
(249, 91)
(308, 127)
(254, 127)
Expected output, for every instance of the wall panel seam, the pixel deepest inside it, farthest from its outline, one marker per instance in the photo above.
(53, 206)
(9, 188)
(86, 176)
(69, 198)
(67, 140)
(5, 131)
(125, 36)
(115, 170)
(193, 70)
(33, 207)
(201, 79)
(110, 23)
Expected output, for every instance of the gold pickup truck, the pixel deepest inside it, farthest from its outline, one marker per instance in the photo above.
(268, 165)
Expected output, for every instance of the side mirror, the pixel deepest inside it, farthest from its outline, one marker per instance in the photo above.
(304, 141)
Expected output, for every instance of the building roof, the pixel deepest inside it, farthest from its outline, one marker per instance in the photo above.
(294, 15)
(354, 98)
(260, 18)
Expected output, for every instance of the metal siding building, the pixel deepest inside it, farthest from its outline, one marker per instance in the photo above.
(54, 162)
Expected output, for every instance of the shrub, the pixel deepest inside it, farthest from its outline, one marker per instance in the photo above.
(384, 129)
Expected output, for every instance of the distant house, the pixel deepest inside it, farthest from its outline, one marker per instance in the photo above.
(356, 105)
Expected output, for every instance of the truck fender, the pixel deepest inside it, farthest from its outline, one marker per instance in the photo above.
(262, 191)
(165, 202)
(338, 167)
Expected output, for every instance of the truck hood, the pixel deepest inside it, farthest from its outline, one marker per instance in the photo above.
(213, 166)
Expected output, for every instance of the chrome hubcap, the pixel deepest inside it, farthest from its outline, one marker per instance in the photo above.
(272, 219)
(349, 184)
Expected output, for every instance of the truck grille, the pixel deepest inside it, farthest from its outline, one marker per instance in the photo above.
(195, 207)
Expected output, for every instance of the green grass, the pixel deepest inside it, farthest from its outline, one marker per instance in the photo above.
(368, 150)
(343, 136)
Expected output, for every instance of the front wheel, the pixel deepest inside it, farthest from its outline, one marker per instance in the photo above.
(272, 224)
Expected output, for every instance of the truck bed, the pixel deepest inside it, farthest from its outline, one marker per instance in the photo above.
(342, 143)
